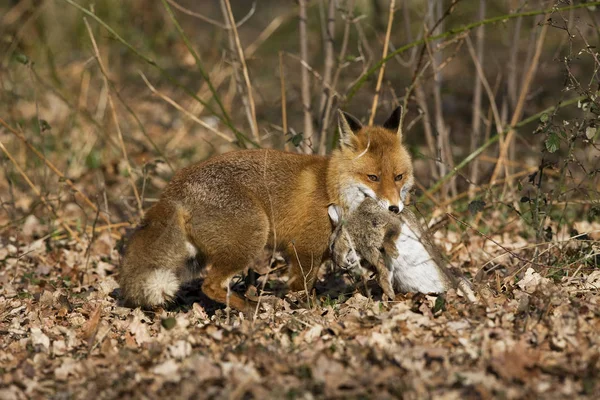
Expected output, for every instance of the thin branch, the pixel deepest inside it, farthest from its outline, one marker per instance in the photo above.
(114, 117)
(223, 118)
(325, 105)
(242, 59)
(506, 249)
(283, 102)
(183, 110)
(382, 70)
(501, 18)
(210, 20)
(477, 57)
(486, 86)
(53, 168)
(495, 138)
(197, 15)
(308, 127)
(340, 64)
(37, 191)
(521, 101)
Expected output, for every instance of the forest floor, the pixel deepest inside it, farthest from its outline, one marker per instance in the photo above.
(65, 334)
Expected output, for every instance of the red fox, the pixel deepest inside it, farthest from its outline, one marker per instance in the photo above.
(224, 211)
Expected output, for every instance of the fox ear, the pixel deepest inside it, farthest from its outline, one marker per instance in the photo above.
(348, 126)
(335, 214)
(393, 122)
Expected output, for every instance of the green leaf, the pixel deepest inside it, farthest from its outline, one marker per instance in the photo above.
(168, 323)
(93, 159)
(440, 304)
(22, 58)
(45, 126)
(544, 117)
(476, 206)
(296, 139)
(552, 143)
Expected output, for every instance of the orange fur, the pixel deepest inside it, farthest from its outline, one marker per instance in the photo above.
(228, 208)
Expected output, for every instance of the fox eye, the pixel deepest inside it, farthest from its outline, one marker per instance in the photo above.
(398, 177)
(373, 178)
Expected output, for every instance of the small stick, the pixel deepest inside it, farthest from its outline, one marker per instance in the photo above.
(314, 73)
(210, 20)
(509, 251)
(308, 127)
(328, 34)
(382, 70)
(183, 110)
(521, 101)
(37, 191)
(477, 95)
(240, 51)
(54, 169)
(114, 115)
(283, 102)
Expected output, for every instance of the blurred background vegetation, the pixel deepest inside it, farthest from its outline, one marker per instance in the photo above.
(116, 95)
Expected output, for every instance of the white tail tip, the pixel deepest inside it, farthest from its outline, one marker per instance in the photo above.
(161, 286)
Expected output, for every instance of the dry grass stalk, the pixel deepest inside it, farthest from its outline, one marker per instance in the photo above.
(210, 20)
(382, 70)
(482, 188)
(477, 57)
(242, 60)
(340, 64)
(184, 111)
(443, 150)
(308, 126)
(220, 72)
(520, 102)
(37, 192)
(115, 119)
(325, 104)
(54, 169)
(283, 102)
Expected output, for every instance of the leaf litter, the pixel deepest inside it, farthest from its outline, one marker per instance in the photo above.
(65, 333)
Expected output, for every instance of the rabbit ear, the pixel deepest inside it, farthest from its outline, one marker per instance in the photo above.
(335, 214)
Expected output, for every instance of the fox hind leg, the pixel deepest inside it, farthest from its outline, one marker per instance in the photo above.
(229, 251)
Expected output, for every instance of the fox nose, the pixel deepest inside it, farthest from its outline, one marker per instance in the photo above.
(394, 209)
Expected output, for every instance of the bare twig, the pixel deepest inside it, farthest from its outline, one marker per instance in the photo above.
(500, 18)
(308, 126)
(444, 152)
(183, 110)
(340, 64)
(242, 60)
(283, 102)
(477, 57)
(521, 101)
(54, 169)
(382, 70)
(37, 191)
(210, 20)
(314, 73)
(324, 106)
(495, 138)
(512, 253)
(115, 119)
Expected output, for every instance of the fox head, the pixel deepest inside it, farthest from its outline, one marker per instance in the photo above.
(370, 162)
